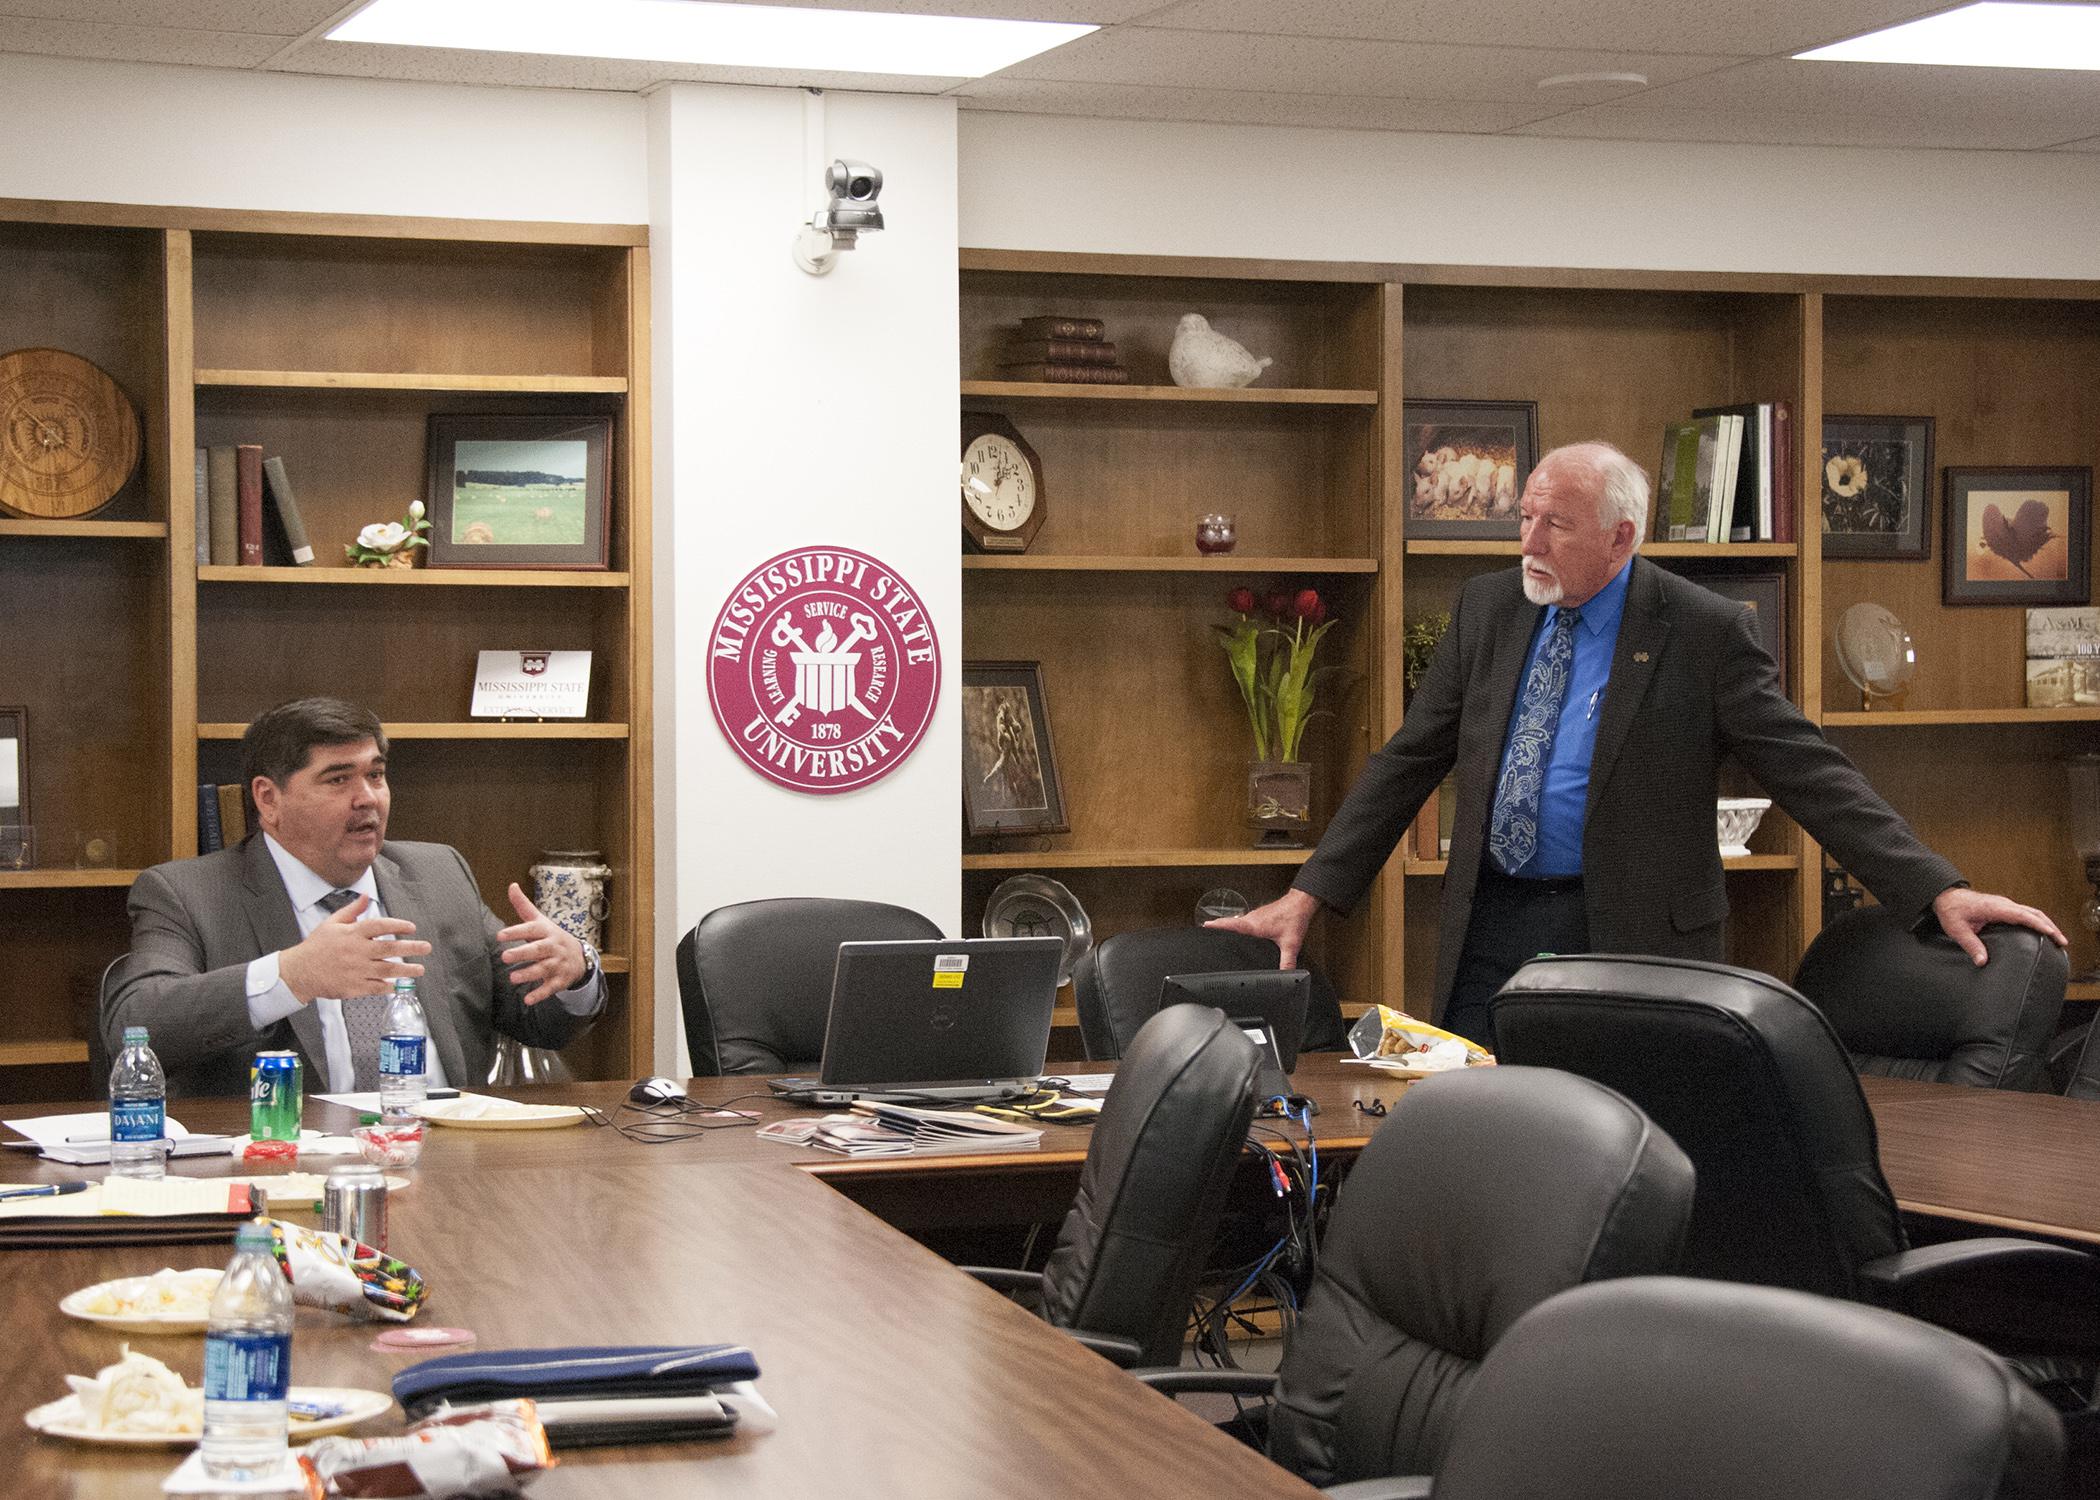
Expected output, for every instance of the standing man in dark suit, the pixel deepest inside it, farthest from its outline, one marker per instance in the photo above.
(294, 937)
(1587, 699)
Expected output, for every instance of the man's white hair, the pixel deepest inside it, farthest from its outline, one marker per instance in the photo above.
(1622, 483)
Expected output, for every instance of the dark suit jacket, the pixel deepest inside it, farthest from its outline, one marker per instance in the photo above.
(196, 924)
(1689, 686)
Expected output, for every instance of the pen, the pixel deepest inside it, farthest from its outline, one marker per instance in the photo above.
(47, 1190)
(1593, 704)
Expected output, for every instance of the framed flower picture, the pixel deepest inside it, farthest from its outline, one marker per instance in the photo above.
(1010, 781)
(2019, 535)
(1877, 487)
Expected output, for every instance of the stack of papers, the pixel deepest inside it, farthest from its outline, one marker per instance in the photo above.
(83, 1140)
(905, 1130)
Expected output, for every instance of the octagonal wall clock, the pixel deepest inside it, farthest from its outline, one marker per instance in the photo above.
(1002, 485)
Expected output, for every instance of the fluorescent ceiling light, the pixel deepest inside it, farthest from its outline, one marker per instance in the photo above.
(702, 31)
(1993, 34)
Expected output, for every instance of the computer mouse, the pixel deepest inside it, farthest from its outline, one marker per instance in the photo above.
(656, 1091)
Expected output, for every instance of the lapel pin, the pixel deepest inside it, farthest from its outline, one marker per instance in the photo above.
(1640, 656)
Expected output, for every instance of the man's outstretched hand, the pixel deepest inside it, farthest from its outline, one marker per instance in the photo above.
(1283, 921)
(1962, 912)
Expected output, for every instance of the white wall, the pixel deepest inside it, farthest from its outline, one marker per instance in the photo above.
(1041, 183)
(790, 410)
(216, 138)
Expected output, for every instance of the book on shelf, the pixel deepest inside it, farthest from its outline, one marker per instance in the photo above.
(1066, 374)
(278, 488)
(1057, 352)
(1698, 503)
(225, 506)
(203, 499)
(233, 813)
(1422, 836)
(1786, 473)
(248, 485)
(1058, 326)
(1750, 508)
(1676, 491)
(210, 835)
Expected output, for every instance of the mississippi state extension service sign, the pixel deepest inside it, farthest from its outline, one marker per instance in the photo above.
(823, 669)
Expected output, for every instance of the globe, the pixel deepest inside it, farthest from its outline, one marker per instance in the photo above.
(1875, 652)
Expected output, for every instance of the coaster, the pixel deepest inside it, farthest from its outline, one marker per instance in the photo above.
(396, 1339)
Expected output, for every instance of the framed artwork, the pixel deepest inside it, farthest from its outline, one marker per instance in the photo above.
(2019, 535)
(1467, 462)
(518, 492)
(1877, 487)
(1764, 595)
(1010, 782)
(15, 847)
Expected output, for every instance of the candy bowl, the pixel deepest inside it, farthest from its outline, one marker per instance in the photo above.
(385, 1145)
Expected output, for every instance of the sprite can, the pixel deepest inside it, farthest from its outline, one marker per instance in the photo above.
(275, 1096)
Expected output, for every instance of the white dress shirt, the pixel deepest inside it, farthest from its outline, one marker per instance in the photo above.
(271, 1000)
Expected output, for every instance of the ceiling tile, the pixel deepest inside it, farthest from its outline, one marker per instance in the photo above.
(1230, 107)
(1698, 26)
(526, 70)
(281, 18)
(1099, 12)
(2090, 143)
(1316, 65)
(219, 49)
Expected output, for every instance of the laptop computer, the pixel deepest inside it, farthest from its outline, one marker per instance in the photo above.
(1267, 1004)
(964, 1021)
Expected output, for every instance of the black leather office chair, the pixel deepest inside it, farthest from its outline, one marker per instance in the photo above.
(1917, 1007)
(1162, 1156)
(1750, 1079)
(1658, 1387)
(754, 979)
(1483, 1193)
(1116, 984)
(2084, 1079)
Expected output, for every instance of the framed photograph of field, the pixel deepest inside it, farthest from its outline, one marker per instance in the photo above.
(519, 492)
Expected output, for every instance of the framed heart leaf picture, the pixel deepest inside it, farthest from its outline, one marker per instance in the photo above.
(2019, 535)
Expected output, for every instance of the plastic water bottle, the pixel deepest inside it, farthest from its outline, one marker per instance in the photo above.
(248, 1361)
(403, 1042)
(138, 1110)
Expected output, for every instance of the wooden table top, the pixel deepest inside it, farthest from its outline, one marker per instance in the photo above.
(885, 1363)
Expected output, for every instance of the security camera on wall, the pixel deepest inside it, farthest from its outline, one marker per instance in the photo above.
(853, 187)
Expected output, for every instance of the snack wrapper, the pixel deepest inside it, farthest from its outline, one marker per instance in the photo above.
(336, 1272)
(493, 1449)
(1397, 1040)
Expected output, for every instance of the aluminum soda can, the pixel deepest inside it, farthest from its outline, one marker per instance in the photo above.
(353, 1202)
(276, 1096)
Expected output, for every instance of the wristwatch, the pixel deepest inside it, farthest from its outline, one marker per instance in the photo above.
(590, 966)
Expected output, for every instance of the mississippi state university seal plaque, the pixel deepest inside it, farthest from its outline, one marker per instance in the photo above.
(823, 669)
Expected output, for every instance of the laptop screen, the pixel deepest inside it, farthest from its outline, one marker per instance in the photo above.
(931, 1012)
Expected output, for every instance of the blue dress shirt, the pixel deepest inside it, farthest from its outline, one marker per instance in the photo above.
(1567, 787)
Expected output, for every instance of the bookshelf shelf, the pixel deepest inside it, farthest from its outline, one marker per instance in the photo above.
(487, 578)
(58, 880)
(1022, 390)
(580, 730)
(370, 380)
(1740, 862)
(41, 1054)
(2082, 992)
(1714, 551)
(112, 530)
(1134, 859)
(1224, 563)
(1852, 718)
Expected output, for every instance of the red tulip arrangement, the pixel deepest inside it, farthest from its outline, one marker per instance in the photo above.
(1271, 647)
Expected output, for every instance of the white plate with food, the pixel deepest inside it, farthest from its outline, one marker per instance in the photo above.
(168, 1301)
(140, 1402)
(497, 1114)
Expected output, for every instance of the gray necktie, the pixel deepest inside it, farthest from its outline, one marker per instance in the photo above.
(364, 1016)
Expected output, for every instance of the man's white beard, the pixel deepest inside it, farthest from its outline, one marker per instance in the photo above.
(1541, 590)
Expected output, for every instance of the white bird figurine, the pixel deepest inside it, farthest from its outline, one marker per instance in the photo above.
(1205, 358)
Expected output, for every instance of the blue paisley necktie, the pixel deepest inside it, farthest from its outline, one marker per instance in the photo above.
(1513, 829)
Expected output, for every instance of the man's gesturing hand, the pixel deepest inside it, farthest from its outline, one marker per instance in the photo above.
(351, 954)
(552, 959)
(1283, 921)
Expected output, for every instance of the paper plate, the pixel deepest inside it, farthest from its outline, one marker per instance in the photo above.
(508, 1117)
(75, 1306)
(62, 1419)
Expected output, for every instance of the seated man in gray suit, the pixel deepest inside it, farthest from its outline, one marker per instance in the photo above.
(294, 937)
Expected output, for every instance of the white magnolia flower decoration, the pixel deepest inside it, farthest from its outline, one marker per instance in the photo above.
(1845, 475)
(383, 536)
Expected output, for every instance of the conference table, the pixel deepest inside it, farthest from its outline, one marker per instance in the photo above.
(893, 1373)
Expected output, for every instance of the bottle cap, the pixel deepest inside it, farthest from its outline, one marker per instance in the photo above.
(406, 983)
(134, 1036)
(368, 1119)
(254, 1234)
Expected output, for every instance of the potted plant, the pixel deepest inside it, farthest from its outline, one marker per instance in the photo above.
(1271, 646)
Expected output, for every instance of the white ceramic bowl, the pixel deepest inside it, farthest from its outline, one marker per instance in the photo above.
(1735, 819)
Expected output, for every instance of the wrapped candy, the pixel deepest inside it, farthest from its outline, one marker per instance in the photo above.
(462, 1451)
(335, 1272)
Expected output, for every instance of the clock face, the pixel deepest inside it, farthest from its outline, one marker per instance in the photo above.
(997, 483)
(69, 438)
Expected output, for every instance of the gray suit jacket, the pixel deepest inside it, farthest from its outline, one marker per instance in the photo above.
(1690, 686)
(196, 924)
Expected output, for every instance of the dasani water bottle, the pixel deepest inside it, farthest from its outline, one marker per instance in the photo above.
(138, 1110)
(404, 1040)
(248, 1361)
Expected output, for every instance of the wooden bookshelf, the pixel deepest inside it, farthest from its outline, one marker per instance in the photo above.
(1023, 390)
(1228, 563)
(330, 340)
